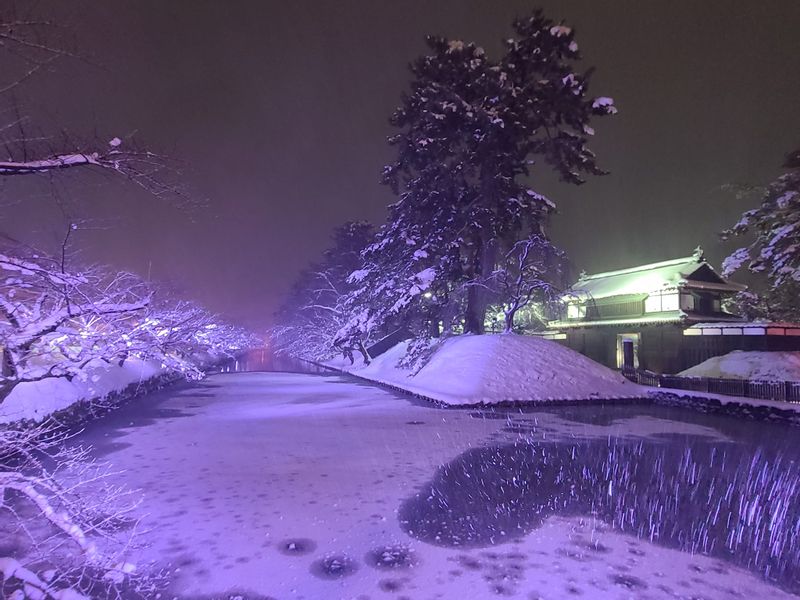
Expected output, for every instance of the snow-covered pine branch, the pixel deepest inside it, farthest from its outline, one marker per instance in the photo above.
(774, 249)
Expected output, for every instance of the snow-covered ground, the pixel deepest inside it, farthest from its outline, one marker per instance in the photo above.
(36, 400)
(489, 369)
(288, 486)
(740, 364)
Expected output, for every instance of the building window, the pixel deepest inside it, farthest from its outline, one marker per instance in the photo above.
(669, 302)
(661, 302)
(576, 311)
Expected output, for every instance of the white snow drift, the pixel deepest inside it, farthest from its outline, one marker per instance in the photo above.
(740, 364)
(488, 369)
(36, 400)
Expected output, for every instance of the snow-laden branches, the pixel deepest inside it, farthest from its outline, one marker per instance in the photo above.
(528, 274)
(30, 44)
(152, 172)
(313, 321)
(184, 337)
(55, 501)
(774, 252)
(55, 321)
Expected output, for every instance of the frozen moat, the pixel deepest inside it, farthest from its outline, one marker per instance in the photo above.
(289, 485)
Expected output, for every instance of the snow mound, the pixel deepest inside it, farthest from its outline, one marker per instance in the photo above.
(743, 364)
(489, 369)
(37, 400)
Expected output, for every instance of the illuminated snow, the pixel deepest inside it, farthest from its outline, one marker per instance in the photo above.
(740, 364)
(36, 400)
(645, 279)
(473, 369)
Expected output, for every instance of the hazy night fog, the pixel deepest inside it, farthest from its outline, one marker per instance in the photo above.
(279, 112)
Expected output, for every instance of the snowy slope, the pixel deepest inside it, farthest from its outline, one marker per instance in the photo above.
(487, 369)
(739, 364)
(37, 400)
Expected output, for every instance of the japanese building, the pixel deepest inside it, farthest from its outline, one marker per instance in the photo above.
(664, 317)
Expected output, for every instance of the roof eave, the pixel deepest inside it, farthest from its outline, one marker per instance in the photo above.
(728, 286)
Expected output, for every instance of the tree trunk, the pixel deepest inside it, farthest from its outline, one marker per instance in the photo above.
(434, 330)
(8, 368)
(509, 320)
(364, 354)
(474, 318)
(6, 387)
(477, 295)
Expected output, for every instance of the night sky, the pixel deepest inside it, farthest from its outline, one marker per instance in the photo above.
(279, 111)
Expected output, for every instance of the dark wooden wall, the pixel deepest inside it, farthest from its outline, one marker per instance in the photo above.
(664, 348)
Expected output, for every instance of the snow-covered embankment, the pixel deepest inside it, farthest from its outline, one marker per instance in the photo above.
(37, 400)
(502, 368)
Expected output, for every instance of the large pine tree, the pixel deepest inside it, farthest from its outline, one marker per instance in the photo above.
(469, 132)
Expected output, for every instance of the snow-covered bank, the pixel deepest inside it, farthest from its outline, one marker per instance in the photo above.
(751, 409)
(740, 364)
(37, 400)
(501, 368)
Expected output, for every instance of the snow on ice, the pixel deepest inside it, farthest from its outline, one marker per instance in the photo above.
(288, 485)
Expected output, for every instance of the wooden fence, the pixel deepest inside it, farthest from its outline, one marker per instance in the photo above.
(787, 391)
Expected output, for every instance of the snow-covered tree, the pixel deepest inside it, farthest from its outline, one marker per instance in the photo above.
(774, 252)
(528, 275)
(73, 525)
(470, 131)
(311, 318)
(184, 337)
(53, 320)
